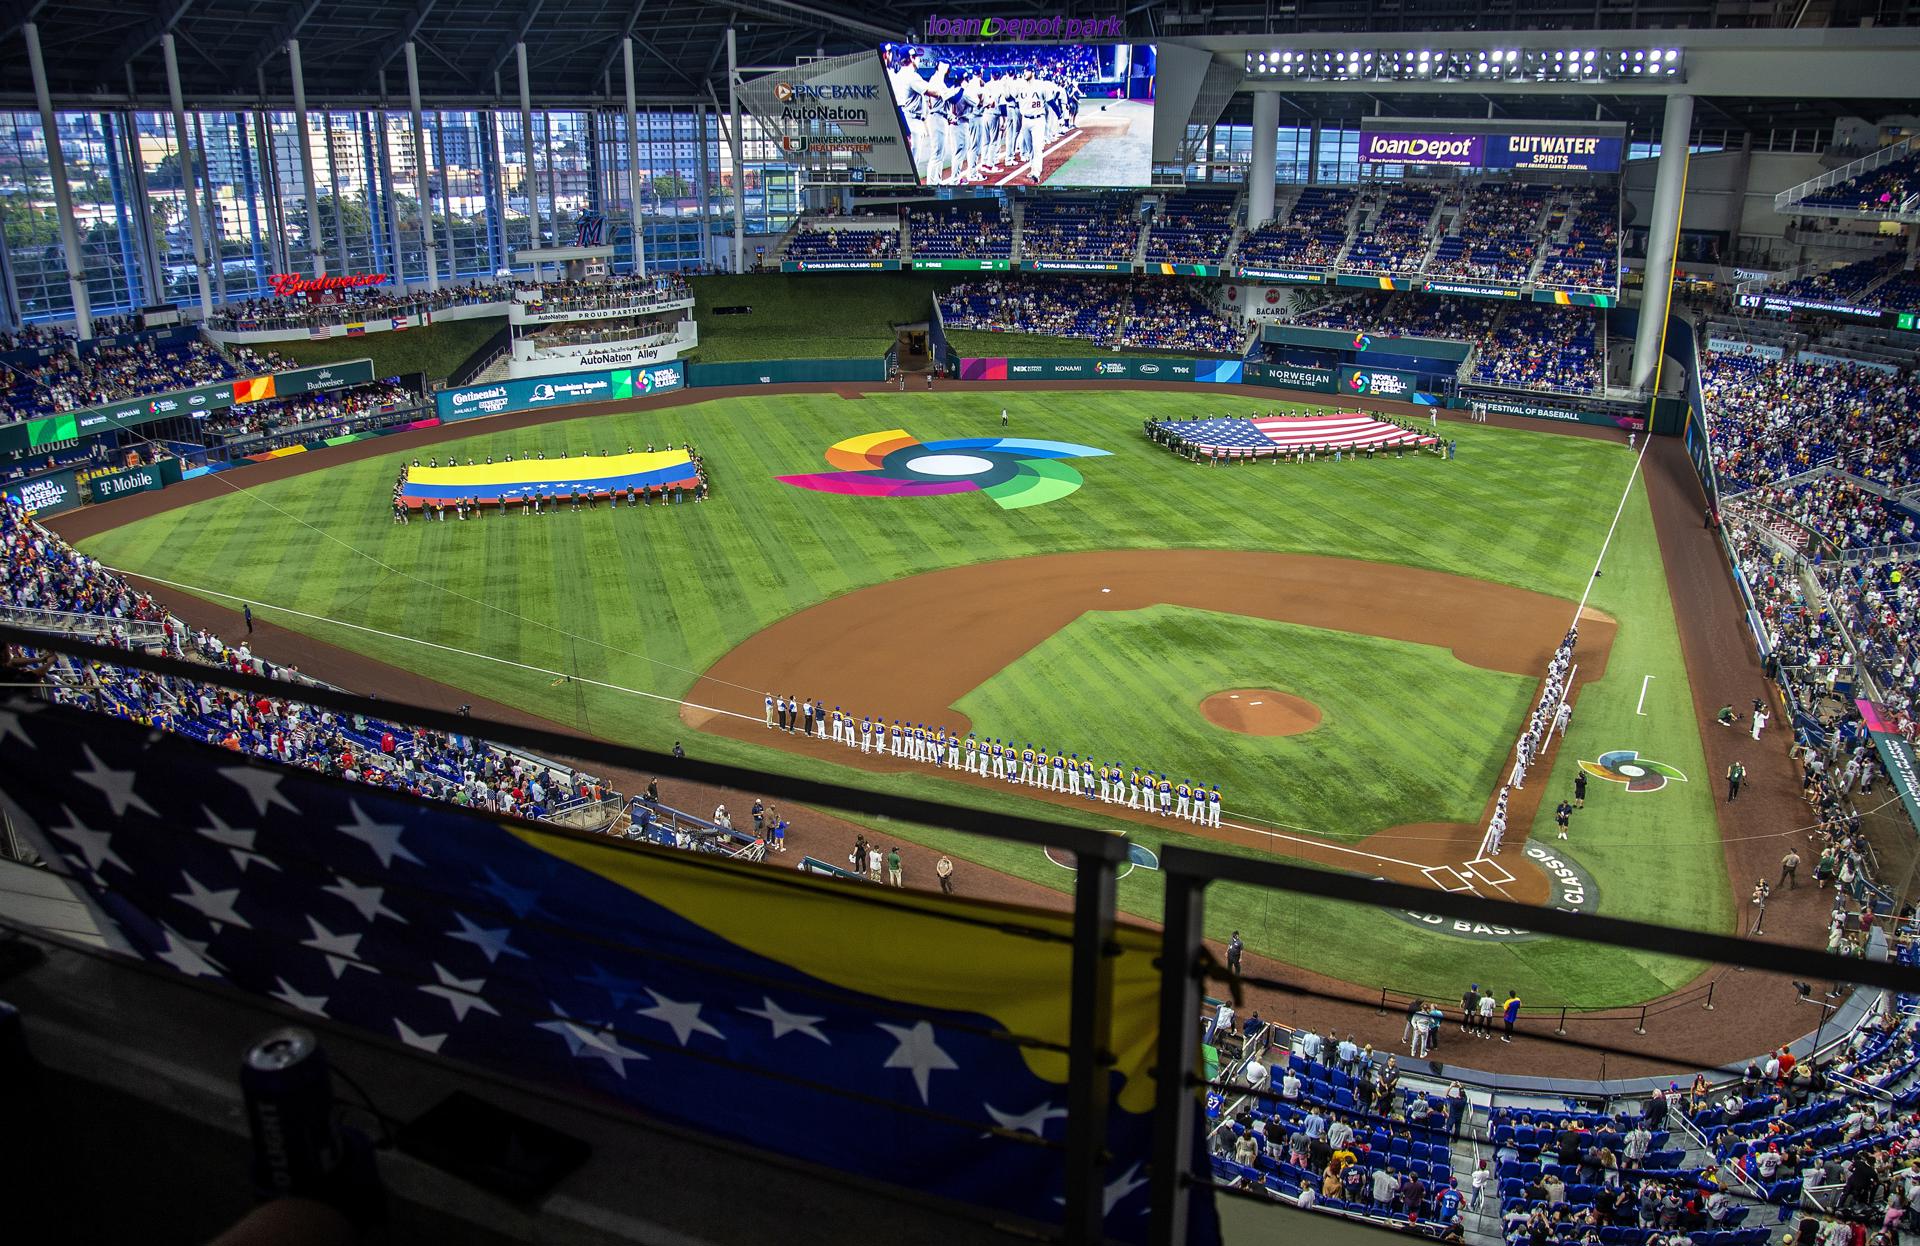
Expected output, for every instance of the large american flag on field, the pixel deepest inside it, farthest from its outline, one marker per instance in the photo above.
(880, 1037)
(1350, 430)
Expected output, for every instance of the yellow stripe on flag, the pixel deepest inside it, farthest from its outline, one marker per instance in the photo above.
(932, 962)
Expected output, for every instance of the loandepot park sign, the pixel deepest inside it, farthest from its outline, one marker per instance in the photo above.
(1057, 27)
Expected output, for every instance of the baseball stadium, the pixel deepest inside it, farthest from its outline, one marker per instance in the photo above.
(1177, 625)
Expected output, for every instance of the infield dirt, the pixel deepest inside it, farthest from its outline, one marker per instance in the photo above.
(916, 646)
(1260, 711)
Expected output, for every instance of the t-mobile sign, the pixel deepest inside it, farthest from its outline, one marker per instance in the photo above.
(1466, 151)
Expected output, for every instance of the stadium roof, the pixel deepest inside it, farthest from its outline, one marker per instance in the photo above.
(231, 50)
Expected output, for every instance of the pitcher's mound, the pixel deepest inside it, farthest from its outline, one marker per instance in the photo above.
(1260, 711)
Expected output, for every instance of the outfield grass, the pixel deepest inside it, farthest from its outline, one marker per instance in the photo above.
(436, 350)
(810, 315)
(647, 602)
(1082, 690)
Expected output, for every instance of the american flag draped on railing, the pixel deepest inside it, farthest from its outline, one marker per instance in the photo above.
(1237, 438)
(901, 1036)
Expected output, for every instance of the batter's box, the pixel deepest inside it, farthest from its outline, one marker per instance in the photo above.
(1488, 868)
(1434, 875)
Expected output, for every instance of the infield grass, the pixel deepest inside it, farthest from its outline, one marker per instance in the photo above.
(645, 602)
(1084, 687)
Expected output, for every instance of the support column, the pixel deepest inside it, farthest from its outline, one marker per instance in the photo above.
(633, 164)
(1266, 138)
(333, 188)
(739, 171)
(190, 158)
(1313, 155)
(422, 181)
(1737, 197)
(438, 151)
(703, 169)
(384, 151)
(530, 183)
(316, 247)
(62, 193)
(151, 267)
(1206, 156)
(1663, 230)
(216, 244)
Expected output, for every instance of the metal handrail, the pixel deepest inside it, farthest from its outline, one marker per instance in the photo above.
(1887, 155)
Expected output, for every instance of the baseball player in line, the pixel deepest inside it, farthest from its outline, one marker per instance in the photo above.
(1071, 773)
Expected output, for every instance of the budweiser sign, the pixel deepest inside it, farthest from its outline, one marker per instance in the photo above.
(293, 283)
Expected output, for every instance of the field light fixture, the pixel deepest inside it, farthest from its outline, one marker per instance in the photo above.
(1561, 64)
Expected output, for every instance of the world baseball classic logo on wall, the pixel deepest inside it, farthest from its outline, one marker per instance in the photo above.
(1640, 774)
(1013, 471)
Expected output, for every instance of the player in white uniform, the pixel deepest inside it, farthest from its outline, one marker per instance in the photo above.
(919, 98)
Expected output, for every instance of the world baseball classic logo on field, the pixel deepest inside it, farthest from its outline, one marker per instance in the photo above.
(1013, 471)
(1639, 774)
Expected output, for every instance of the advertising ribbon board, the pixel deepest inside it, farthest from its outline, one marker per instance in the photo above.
(961, 265)
(1378, 382)
(1289, 276)
(1291, 376)
(45, 495)
(143, 479)
(565, 389)
(837, 266)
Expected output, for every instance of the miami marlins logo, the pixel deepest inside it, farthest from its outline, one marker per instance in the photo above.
(1640, 774)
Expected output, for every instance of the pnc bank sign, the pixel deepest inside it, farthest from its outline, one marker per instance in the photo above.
(1056, 27)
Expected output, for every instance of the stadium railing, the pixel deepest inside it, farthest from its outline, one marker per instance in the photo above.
(1185, 968)
(69, 623)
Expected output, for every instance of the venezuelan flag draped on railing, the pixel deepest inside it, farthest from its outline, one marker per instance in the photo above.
(549, 478)
(899, 1036)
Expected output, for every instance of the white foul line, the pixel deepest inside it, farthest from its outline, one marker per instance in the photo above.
(1639, 709)
(465, 653)
(1321, 843)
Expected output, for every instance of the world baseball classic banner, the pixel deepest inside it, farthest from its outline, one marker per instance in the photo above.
(880, 1038)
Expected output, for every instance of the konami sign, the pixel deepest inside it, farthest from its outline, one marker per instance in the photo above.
(293, 283)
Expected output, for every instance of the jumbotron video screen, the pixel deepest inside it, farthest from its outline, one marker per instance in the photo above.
(1026, 114)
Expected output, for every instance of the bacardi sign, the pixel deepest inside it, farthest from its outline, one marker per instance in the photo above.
(285, 284)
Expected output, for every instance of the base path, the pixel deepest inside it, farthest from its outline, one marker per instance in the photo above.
(915, 647)
(1260, 711)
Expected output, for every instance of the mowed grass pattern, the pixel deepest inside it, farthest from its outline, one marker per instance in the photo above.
(1369, 765)
(645, 601)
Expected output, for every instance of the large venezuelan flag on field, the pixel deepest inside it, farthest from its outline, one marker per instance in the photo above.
(898, 1036)
(527, 478)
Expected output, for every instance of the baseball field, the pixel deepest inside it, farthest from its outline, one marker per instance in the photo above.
(1348, 650)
